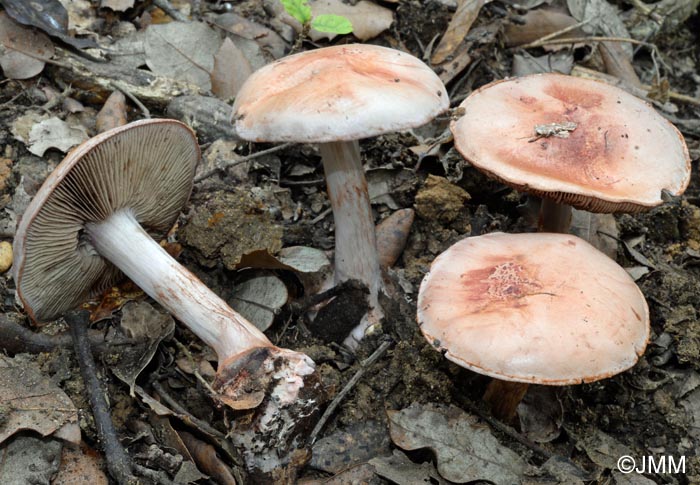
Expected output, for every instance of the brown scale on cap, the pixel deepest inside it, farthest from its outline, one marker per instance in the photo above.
(607, 163)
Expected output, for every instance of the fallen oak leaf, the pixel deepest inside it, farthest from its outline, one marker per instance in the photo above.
(465, 448)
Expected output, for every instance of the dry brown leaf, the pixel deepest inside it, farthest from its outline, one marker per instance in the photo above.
(183, 51)
(357, 475)
(392, 234)
(266, 38)
(80, 465)
(113, 112)
(112, 299)
(465, 448)
(30, 401)
(537, 24)
(231, 69)
(148, 327)
(462, 20)
(618, 63)
(22, 49)
(207, 460)
(55, 133)
(368, 19)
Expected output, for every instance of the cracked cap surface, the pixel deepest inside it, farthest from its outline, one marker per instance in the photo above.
(537, 308)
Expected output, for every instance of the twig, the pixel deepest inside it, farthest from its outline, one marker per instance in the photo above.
(364, 365)
(240, 160)
(321, 216)
(577, 40)
(15, 338)
(184, 413)
(118, 461)
(545, 38)
(122, 87)
(166, 7)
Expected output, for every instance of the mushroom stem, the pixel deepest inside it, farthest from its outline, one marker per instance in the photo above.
(355, 240)
(121, 240)
(503, 397)
(554, 217)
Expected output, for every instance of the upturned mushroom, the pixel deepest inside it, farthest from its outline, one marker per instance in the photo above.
(532, 309)
(335, 96)
(95, 217)
(573, 142)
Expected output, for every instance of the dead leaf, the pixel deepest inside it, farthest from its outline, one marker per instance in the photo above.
(22, 50)
(55, 133)
(259, 298)
(620, 478)
(143, 323)
(602, 19)
(598, 229)
(48, 15)
(183, 51)
(392, 234)
(449, 70)
(113, 113)
(207, 459)
(112, 300)
(524, 64)
(117, 5)
(400, 470)
(80, 465)
(269, 40)
(30, 401)
(29, 460)
(541, 414)
(601, 448)
(231, 69)
(357, 475)
(465, 448)
(368, 19)
(539, 23)
(5, 172)
(462, 20)
(345, 448)
(303, 259)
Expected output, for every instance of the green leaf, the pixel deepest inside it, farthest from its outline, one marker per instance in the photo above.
(334, 24)
(298, 9)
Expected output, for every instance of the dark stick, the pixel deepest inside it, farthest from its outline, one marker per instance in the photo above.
(118, 462)
(14, 338)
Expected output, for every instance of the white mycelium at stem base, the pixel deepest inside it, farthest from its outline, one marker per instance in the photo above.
(122, 240)
(355, 241)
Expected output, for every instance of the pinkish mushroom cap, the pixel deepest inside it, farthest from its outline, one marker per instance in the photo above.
(535, 308)
(620, 156)
(345, 92)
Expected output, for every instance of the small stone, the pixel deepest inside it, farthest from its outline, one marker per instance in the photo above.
(5, 256)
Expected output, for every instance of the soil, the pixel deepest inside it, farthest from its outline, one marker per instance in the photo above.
(652, 409)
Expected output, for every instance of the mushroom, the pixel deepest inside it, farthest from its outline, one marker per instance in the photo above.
(335, 96)
(573, 142)
(95, 217)
(540, 308)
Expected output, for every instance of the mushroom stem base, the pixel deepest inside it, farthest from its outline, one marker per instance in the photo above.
(355, 239)
(503, 398)
(277, 395)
